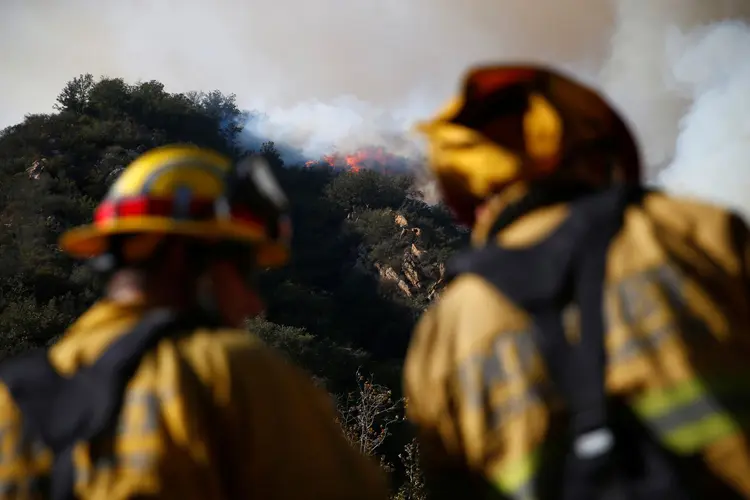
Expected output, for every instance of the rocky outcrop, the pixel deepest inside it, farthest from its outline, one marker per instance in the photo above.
(417, 274)
(35, 170)
(387, 273)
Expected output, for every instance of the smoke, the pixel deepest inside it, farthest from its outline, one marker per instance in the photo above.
(713, 149)
(339, 74)
(680, 71)
(325, 73)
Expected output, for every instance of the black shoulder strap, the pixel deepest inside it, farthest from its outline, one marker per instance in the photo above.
(567, 267)
(63, 411)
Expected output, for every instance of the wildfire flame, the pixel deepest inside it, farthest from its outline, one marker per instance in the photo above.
(367, 158)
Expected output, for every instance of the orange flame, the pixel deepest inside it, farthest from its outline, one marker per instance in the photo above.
(372, 158)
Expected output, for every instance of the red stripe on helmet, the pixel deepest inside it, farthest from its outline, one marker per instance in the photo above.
(142, 206)
(486, 81)
(105, 211)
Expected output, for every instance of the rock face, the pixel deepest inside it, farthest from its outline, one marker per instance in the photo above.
(35, 170)
(417, 274)
(387, 273)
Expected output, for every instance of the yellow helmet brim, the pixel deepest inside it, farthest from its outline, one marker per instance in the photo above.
(92, 240)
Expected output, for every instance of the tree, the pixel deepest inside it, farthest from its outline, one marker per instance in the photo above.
(368, 189)
(75, 95)
(110, 99)
(413, 486)
(223, 110)
(367, 413)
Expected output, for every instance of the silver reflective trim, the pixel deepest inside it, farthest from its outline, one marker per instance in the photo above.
(594, 443)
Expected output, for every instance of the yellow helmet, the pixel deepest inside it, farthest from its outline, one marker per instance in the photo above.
(520, 122)
(189, 191)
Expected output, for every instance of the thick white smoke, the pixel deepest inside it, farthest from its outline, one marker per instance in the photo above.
(344, 73)
(680, 69)
(713, 149)
(328, 72)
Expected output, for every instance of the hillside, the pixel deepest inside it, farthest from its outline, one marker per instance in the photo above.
(368, 253)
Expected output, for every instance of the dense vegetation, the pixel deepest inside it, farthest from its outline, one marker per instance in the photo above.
(368, 251)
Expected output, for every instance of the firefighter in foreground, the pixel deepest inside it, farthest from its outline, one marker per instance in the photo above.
(157, 391)
(594, 341)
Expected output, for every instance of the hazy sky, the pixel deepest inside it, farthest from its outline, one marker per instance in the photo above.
(323, 64)
(349, 72)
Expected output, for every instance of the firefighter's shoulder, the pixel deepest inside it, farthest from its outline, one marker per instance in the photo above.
(470, 316)
(470, 311)
(228, 359)
(274, 411)
(715, 229)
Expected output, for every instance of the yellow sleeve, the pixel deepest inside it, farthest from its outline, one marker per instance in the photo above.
(477, 398)
(285, 443)
(726, 240)
(429, 409)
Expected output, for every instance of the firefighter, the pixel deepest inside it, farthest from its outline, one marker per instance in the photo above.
(157, 391)
(594, 340)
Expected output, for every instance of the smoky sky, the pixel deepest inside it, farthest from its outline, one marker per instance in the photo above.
(333, 64)
(338, 74)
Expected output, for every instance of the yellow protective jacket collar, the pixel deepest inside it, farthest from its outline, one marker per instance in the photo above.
(538, 223)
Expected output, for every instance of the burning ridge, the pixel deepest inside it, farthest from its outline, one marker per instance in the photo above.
(370, 158)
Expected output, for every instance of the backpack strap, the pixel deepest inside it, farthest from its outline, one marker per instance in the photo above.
(63, 411)
(567, 268)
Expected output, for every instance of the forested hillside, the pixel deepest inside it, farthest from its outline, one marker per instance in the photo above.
(368, 252)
